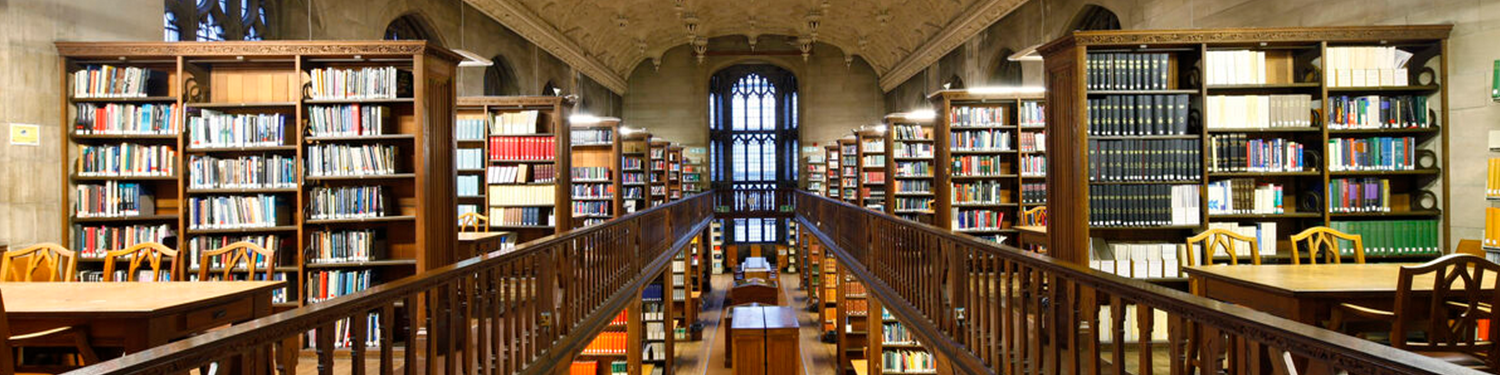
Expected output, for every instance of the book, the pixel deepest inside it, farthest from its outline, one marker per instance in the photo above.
(1365, 66)
(1239, 153)
(512, 148)
(385, 82)
(1237, 67)
(217, 129)
(1264, 234)
(1259, 111)
(468, 186)
(980, 192)
(325, 160)
(470, 127)
(1492, 179)
(521, 216)
(108, 81)
(966, 219)
(1033, 165)
(343, 246)
(1378, 112)
(1130, 71)
(197, 245)
(1033, 141)
(1141, 260)
(112, 199)
(237, 211)
(973, 116)
(1349, 195)
(872, 146)
(1118, 115)
(913, 169)
(521, 174)
(1034, 193)
(913, 186)
(1143, 205)
(469, 158)
(521, 195)
(910, 150)
(1392, 237)
(1032, 114)
(243, 172)
(1245, 196)
(1372, 154)
(126, 159)
(516, 123)
(326, 285)
(346, 120)
(591, 137)
(92, 241)
(1143, 159)
(980, 140)
(348, 202)
(126, 119)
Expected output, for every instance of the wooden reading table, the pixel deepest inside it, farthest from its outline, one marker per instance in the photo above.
(136, 316)
(765, 340)
(473, 244)
(1305, 293)
(1032, 237)
(757, 268)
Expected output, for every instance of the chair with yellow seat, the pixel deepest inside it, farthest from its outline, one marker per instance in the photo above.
(1221, 239)
(40, 262)
(1036, 216)
(231, 256)
(1448, 315)
(1323, 242)
(148, 254)
(473, 222)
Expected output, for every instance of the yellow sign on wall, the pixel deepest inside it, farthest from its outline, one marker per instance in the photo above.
(25, 134)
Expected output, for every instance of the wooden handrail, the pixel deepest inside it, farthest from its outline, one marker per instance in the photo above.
(995, 309)
(524, 310)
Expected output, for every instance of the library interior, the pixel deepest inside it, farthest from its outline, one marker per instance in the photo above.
(808, 187)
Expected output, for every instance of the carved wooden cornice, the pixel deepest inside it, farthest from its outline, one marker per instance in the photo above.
(979, 17)
(1392, 34)
(113, 50)
(523, 21)
(514, 101)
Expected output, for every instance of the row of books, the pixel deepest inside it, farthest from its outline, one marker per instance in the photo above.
(1238, 153)
(468, 186)
(218, 129)
(1033, 165)
(326, 285)
(358, 83)
(108, 81)
(1365, 66)
(633, 178)
(342, 246)
(522, 195)
(112, 199)
(197, 245)
(516, 123)
(895, 333)
(522, 216)
(470, 128)
(987, 192)
(1378, 112)
(585, 174)
(1143, 205)
(911, 132)
(1032, 114)
(913, 204)
(351, 160)
(1137, 259)
(1372, 154)
(873, 177)
(1393, 237)
(1034, 193)
(236, 211)
(126, 159)
(849, 150)
(1491, 226)
(1131, 331)
(1129, 71)
(978, 165)
(913, 150)
(347, 202)
(1245, 196)
(980, 140)
(244, 172)
(607, 343)
(1370, 194)
(913, 186)
(871, 161)
(1237, 67)
(126, 119)
(592, 209)
(94, 241)
(960, 117)
(141, 275)
(872, 146)
(343, 333)
(1492, 179)
(469, 158)
(585, 137)
(1139, 115)
(1033, 142)
(522, 148)
(1259, 111)
(980, 219)
(630, 164)
(347, 120)
(907, 361)
(1264, 234)
(913, 169)
(1144, 159)
(522, 174)
(593, 191)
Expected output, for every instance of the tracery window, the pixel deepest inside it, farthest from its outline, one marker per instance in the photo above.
(753, 144)
(215, 20)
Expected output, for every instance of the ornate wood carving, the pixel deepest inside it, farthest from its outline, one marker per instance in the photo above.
(970, 23)
(1251, 35)
(523, 21)
(111, 50)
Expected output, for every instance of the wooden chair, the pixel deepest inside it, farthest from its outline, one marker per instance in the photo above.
(1036, 216)
(233, 254)
(1218, 238)
(146, 253)
(473, 220)
(1447, 316)
(1323, 242)
(49, 261)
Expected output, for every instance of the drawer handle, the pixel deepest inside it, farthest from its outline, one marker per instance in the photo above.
(220, 314)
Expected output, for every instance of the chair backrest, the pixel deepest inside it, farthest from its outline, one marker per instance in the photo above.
(40, 262)
(231, 256)
(1036, 216)
(1323, 242)
(1219, 238)
(149, 254)
(1451, 314)
(473, 221)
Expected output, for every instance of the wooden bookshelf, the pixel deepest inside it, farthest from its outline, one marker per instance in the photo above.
(831, 157)
(852, 316)
(633, 172)
(982, 132)
(596, 147)
(815, 173)
(873, 179)
(883, 328)
(674, 172)
(656, 172)
(274, 80)
(1289, 56)
(848, 154)
(694, 176)
(909, 167)
(501, 115)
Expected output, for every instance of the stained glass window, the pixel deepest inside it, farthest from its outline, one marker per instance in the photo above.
(188, 20)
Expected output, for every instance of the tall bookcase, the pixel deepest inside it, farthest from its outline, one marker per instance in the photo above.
(656, 171)
(831, 156)
(527, 176)
(872, 175)
(633, 164)
(893, 349)
(852, 317)
(979, 183)
(1280, 86)
(293, 115)
(815, 173)
(909, 166)
(848, 152)
(674, 172)
(596, 160)
(692, 176)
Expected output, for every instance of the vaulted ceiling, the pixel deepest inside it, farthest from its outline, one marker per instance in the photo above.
(607, 39)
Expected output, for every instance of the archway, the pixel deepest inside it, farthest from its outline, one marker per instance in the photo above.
(500, 78)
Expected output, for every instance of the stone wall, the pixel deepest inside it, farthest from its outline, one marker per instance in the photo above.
(1471, 55)
(672, 101)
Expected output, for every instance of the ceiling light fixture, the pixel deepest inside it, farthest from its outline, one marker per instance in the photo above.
(1028, 54)
(470, 58)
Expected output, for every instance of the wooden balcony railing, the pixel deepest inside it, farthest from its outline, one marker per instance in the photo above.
(526, 310)
(999, 310)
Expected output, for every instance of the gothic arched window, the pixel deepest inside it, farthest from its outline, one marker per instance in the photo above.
(753, 144)
(410, 27)
(500, 78)
(1094, 17)
(215, 20)
(1005, 72)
